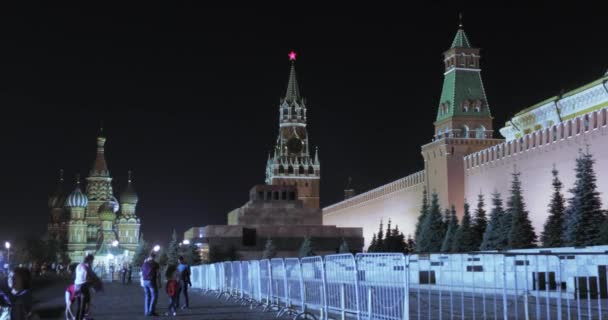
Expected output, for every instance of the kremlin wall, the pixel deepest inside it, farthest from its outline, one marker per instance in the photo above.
(465, 159)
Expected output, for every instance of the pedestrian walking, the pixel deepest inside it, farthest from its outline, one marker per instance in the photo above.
(129, 273)
(150, 281)
(84, 281)
(123, 274)
(183, 270)
(172, 290)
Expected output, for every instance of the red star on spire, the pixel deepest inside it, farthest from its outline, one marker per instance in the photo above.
(292, 56)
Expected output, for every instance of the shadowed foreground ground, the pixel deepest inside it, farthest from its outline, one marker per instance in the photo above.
(119, 302)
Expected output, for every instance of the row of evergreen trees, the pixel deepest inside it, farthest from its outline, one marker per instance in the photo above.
(391, 241)
(306, 248)
(580, 223)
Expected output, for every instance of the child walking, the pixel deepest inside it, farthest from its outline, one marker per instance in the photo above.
(172, 290)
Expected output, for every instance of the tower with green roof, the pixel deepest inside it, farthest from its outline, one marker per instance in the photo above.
(463, 110)
(463, 124)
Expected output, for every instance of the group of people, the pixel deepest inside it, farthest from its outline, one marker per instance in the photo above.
(178, 280)
(16, 300)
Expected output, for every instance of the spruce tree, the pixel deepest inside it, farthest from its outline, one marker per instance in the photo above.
(399, 244)
(141, 253)
(191, 255)
(584, 218)
(306, 249)
(344, 247)
(521, 234)
(372, 245)
(410, 244)
(173, 250)
(432, 231)
(448, 240)
(463, 239)
(424, 210)
(388, 242)
(552, 235)
(493, 237)
(380, 239)
(270, 250)
(480, 222)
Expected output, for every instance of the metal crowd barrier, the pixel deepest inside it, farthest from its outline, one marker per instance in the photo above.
(393, 286)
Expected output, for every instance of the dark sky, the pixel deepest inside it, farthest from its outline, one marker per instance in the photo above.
(189, 96)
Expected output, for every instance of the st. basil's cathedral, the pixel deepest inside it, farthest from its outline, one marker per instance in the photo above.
(95, 221)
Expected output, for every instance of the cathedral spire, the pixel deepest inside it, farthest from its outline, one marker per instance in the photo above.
(100, 167)
(293, 91)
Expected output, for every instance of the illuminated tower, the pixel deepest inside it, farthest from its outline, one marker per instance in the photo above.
(99, 190)
(463, 124)
(291, 162)
(76, 203)
(128, 224)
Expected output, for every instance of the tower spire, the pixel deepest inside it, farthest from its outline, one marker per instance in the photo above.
(100, 168)
(460, 20)
(293, 91)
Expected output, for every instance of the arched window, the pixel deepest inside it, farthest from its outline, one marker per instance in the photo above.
(301, 170)
(311, 170)
(281, 170)
(464, 131)
(480, 132)
(290, 170)
(465, 105)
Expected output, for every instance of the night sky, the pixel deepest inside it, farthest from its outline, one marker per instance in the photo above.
(189, 96)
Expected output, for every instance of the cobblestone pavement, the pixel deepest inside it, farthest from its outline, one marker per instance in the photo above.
(119, 302)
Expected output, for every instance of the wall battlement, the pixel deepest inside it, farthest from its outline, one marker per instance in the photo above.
(403, 183)
(583, 125)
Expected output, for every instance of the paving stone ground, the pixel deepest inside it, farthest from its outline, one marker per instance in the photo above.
(118, 302)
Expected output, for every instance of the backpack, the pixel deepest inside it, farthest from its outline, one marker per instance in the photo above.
(171, 288)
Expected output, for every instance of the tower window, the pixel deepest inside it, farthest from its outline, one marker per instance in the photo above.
(290, 170)
(311, 170)
(301, 170)
(281, 170)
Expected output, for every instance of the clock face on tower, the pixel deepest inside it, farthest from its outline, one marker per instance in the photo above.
(294, 145)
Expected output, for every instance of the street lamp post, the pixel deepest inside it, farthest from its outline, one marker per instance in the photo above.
(7, 245)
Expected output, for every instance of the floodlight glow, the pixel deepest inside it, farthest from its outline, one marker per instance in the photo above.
(156, 248)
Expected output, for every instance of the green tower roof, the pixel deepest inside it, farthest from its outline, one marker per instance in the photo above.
(461, 40)
(462, 84)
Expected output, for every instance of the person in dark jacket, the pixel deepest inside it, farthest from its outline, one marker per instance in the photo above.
(183, 271)
(19, 298)
(150, 281)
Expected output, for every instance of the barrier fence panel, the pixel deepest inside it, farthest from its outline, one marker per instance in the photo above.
(341, 285)
(293, 286)
(245, 281)
(314, 289)
(382, 285)
(196, 276)
(265, 283)
(236, 289)
(279, 285)
(254, 268)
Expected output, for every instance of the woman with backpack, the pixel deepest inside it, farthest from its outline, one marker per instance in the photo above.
(172, 290)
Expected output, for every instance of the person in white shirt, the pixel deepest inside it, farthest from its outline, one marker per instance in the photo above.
(85, 279)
